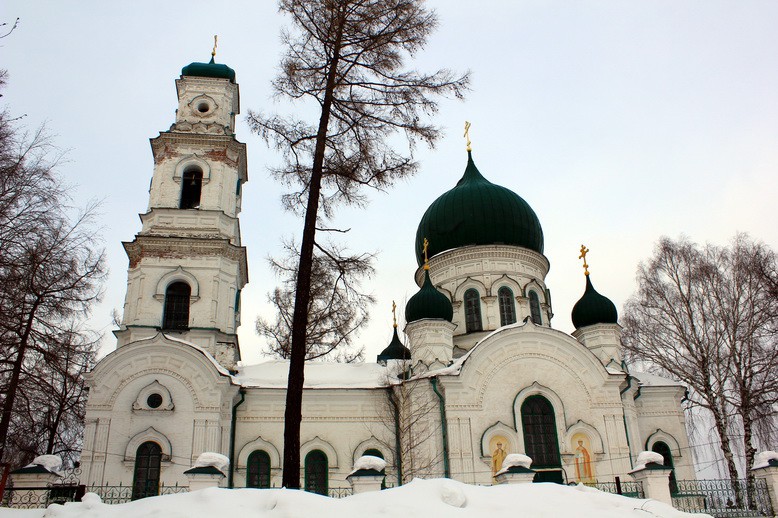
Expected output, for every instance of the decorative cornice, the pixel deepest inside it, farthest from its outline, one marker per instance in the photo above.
(180, 247)
(478, 253)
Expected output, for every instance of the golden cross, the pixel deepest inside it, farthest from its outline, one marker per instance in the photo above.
(467, 135)
(215, 42)
(426, 260)
(394, 314)
(584, 251)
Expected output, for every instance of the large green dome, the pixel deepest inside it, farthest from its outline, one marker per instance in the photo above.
(478, 212)
(593, 308)
(210, 69)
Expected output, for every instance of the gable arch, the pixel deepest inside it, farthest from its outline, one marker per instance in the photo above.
(189, 162)
(508, 282)
(587, 429)
(320, 444)
(467, 284)
(258, 444)
(177, 275)
(661, 436)
(150, 434)
(372, 444)
(499, 429)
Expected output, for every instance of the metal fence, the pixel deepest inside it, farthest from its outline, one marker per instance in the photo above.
(723, 498)
(633, 489)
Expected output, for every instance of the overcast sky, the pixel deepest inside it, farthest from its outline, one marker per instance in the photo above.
(619, 122)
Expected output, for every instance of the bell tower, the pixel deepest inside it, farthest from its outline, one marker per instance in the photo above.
(187, 265)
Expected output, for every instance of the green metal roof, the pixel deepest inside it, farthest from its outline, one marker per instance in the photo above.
(395, 350)
(428, 302)
(478, 212)
(210, 69)
(593, 308)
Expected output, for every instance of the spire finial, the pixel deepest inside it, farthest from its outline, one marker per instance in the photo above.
(426, 260)
(467, 135)
(584, 251)
(394, 314)
(215, 42)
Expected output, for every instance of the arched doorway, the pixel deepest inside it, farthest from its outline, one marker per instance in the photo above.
(540, 439)
(148, 460)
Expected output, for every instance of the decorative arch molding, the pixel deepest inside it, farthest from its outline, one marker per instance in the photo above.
(155, 387)
(152, 435)
(258, 444)
(468, 283)
(584, 428)
(203, 105)
(189, 161)
(177, 275)
(509, 283)
(499, 428)
(374, 444)
(319, 444)
(536, 389)
(534, 285)
(661, 436)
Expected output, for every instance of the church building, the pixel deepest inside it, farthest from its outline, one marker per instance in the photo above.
(483, 373)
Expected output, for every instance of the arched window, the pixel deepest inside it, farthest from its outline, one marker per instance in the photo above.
(316, 472)
(191, 188)
(472, 311)
(534, 308)
(176, 314)
(507, 308)
(147, 466)
(374, 453)
(258, 469)
(664, 450)
(540, 438)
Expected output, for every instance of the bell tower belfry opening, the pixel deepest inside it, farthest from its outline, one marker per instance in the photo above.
(187, 265)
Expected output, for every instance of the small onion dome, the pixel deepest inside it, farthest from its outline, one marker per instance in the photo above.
(428, 303)
(478, 212)
(210, 69)
(395, 350)
(593, 308)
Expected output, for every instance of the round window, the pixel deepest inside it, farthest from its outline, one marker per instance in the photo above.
(203, 107)
(154, 400)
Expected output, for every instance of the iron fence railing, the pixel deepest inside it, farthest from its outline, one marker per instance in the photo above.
(633, 489)
(723, 498)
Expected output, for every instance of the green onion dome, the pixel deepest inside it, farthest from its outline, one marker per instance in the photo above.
(478, 212)
(395, 350)
(593, 308)
(428, 303)
(210, 69)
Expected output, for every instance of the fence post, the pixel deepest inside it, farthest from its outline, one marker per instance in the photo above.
(656, 481)
(769, 474)
(364, 480)
(515, 475)
(31, 484)
(204, 477)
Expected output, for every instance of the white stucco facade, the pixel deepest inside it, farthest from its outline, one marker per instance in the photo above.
(174, 387)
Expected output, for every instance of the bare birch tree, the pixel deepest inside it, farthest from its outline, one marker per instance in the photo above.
(707, 317)
(346, 58)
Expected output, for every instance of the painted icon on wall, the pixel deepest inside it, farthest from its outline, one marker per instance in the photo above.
(584, 468)
(500, 447)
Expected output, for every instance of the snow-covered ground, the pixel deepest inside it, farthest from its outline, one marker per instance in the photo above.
(419, 499)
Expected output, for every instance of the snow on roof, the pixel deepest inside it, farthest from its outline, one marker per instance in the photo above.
(652, 380)
(209, 458)
(318, 375)
(762, 459)
(418, 499)
(210, 358)
(50, 462)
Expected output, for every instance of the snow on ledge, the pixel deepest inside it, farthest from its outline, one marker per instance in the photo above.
(518, 460)
(646, 457)
(762, 459)
(209, 458)
(368, 462)
(50, 462)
